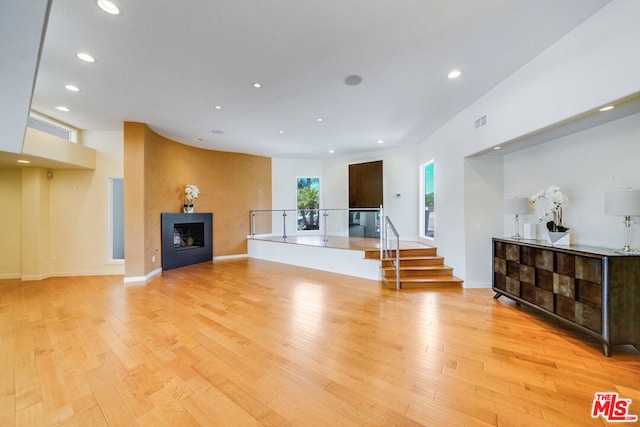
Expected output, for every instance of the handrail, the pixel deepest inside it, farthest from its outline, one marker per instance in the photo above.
(325, 214)
(388, 224)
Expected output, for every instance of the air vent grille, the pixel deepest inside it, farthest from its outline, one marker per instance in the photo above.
(482, 121)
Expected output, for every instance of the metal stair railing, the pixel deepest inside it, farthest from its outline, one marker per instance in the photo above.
(384, 245)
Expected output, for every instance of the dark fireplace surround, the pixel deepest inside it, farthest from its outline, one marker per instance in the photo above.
(187, 238)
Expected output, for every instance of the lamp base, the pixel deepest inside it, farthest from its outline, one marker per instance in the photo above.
(627, 251)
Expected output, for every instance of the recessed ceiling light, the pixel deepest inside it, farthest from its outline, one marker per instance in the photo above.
(72, 88)
(319, 119)
(454, 74)
(217, 107)
(332, 151)
(607, 108)
(217, 132)
(281, 131)
(497, 148)
(380, 141)
(257, 85)
(62, 108)
(24, 161)
(108, 7)
(85, 57)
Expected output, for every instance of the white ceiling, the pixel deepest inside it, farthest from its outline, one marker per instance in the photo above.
(167, 63)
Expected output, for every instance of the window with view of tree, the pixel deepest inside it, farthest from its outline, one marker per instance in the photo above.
(308, 204)
(429, 200)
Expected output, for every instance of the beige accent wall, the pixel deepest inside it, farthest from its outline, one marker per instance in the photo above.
(79, 211)
(156, 172)
(42, 144)
(35, 224)
(11, 217)
(59, 226)
(135, 136)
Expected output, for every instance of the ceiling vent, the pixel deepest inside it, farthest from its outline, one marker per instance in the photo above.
(482, 121)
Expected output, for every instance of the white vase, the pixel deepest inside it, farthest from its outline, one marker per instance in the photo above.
(558, 237)
(188, 209)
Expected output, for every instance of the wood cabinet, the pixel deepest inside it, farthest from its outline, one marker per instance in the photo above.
(592, 289)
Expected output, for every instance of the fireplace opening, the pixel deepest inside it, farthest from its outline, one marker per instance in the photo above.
(188, 236)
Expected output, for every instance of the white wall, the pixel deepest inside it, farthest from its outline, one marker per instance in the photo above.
(595, 64)
(284, 173)
(22, 30)
(483, 182)
(584, 165)
(283, 181)
(400, 175)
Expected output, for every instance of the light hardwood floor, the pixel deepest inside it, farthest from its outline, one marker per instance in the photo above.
(248, 342)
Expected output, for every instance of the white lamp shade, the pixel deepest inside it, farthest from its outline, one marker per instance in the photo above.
(516, 205)
(622, 203)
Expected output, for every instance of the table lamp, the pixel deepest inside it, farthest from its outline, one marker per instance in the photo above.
(516, 206)
(623, 203)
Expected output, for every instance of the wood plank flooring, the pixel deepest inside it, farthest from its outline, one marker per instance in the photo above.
(248, 343)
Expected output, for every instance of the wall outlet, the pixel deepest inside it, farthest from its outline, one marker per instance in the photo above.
(153, 258)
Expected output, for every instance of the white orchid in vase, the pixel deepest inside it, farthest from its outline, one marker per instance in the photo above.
(191, 192)
(556, 200)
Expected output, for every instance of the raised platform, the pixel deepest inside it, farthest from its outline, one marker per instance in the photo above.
(344, 255)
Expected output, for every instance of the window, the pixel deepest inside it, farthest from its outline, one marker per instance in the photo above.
(52, 127)
(428, 216)
(116, 218)
(308, 204)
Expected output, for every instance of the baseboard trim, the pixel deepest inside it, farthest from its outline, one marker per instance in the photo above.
(477, 285)
(10, 276)
(34, 277)
(142, 279)
(223, 257)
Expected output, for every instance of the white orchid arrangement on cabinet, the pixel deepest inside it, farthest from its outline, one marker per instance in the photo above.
(555, 199)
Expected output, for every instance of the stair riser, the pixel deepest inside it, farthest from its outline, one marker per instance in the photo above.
(426, 252)
(417, 252)
(424, 262)
(418, 274)
(423, 285)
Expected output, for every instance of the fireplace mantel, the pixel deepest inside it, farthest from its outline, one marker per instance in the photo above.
(186, 239)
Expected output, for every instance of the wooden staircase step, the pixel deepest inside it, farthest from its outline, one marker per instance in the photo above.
(417, 283)
(419, 268)
(424, 272)
(415, 260)
(426, 251)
